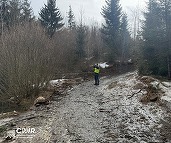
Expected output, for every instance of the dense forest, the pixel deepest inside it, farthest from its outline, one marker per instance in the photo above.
(35, 50)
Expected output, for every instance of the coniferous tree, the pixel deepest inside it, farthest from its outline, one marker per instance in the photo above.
(125, 40)
(80, 40)
(27, 12)
(50, 17)
(4, 16)
(93, 40)
(152, 36)
(156, 48)
(71, 19)
(95, 43)
(81, 34)
(111, 29)
(166, 14)
(15, 12)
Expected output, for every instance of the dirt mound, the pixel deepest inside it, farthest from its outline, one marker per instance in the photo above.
(153, 92)
(139, 85)
(147, 79)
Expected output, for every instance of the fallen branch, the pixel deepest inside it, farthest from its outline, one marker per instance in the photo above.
(135, 93)
(164, 84)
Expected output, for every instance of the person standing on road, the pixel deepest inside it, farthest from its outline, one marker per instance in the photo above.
(96, 74)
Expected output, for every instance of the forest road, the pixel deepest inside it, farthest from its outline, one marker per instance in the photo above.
(98, 114)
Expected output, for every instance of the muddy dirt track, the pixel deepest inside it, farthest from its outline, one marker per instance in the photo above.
(98, 114)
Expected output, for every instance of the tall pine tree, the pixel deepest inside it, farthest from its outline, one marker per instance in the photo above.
(15, 12)
(156, 46)
(50, 17)
(166, 14)
(111, 29)
(125, 38)
(81, 32)
(27, 12)
(71, 19)
(4, 15)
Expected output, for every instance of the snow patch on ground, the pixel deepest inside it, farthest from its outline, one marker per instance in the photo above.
(155, 84)
(56, 82)
(103, 65)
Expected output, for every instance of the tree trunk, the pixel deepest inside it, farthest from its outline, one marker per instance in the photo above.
(169, 67)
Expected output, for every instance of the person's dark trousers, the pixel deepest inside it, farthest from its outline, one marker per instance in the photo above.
(96, 76)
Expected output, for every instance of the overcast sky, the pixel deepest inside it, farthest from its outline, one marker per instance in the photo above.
(91, 8)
